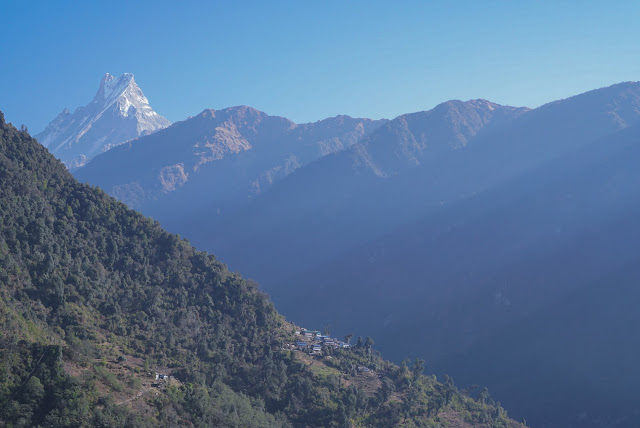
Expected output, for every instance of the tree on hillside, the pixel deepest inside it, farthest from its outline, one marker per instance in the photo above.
(368, 342)
(418, 367)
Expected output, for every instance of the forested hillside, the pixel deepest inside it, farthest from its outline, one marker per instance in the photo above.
(96, 299)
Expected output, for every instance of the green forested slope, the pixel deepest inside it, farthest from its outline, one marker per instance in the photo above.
(95, 298)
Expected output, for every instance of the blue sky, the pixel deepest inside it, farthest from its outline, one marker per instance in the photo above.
(310, 59)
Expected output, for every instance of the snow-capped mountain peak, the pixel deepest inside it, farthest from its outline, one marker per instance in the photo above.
(112, 87)
(118, 112)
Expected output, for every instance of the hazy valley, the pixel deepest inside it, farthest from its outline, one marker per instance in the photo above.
(455, 235)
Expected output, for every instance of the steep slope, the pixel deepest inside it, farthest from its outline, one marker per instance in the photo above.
(412, 139)
(118, 112)
(344, 200)
(216, 160)
(95, 298)
(533, 282)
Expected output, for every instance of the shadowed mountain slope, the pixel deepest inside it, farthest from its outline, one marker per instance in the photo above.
(217, 160)
(531, 282)
(345, 199)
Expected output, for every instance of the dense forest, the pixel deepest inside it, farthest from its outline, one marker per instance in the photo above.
(96, 300)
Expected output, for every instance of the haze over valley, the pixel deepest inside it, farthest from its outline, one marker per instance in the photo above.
(436, 232)
(319, 215)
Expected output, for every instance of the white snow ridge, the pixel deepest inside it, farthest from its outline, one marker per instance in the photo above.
(119, 112)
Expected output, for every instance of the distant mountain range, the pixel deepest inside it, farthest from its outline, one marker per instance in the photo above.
(388, 179)
(217, 160)
(496, 242)
(119, 112)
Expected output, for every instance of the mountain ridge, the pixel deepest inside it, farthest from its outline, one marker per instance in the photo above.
(448, 126)
(242, 150)
(337, 194)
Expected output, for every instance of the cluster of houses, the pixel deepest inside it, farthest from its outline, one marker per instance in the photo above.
(312, 342)
(161, 380)
(162, 376)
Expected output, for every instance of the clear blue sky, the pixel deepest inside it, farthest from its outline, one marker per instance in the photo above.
(310, 59)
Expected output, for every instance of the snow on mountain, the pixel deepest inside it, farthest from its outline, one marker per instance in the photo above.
(119, 112)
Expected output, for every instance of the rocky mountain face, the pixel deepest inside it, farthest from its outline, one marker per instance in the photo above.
(118, 112)
(217, 159)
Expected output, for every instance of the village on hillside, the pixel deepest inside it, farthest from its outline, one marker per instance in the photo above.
(312, 342)
(324, 355)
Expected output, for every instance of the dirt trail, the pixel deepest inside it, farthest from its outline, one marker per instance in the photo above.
(135, 397)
